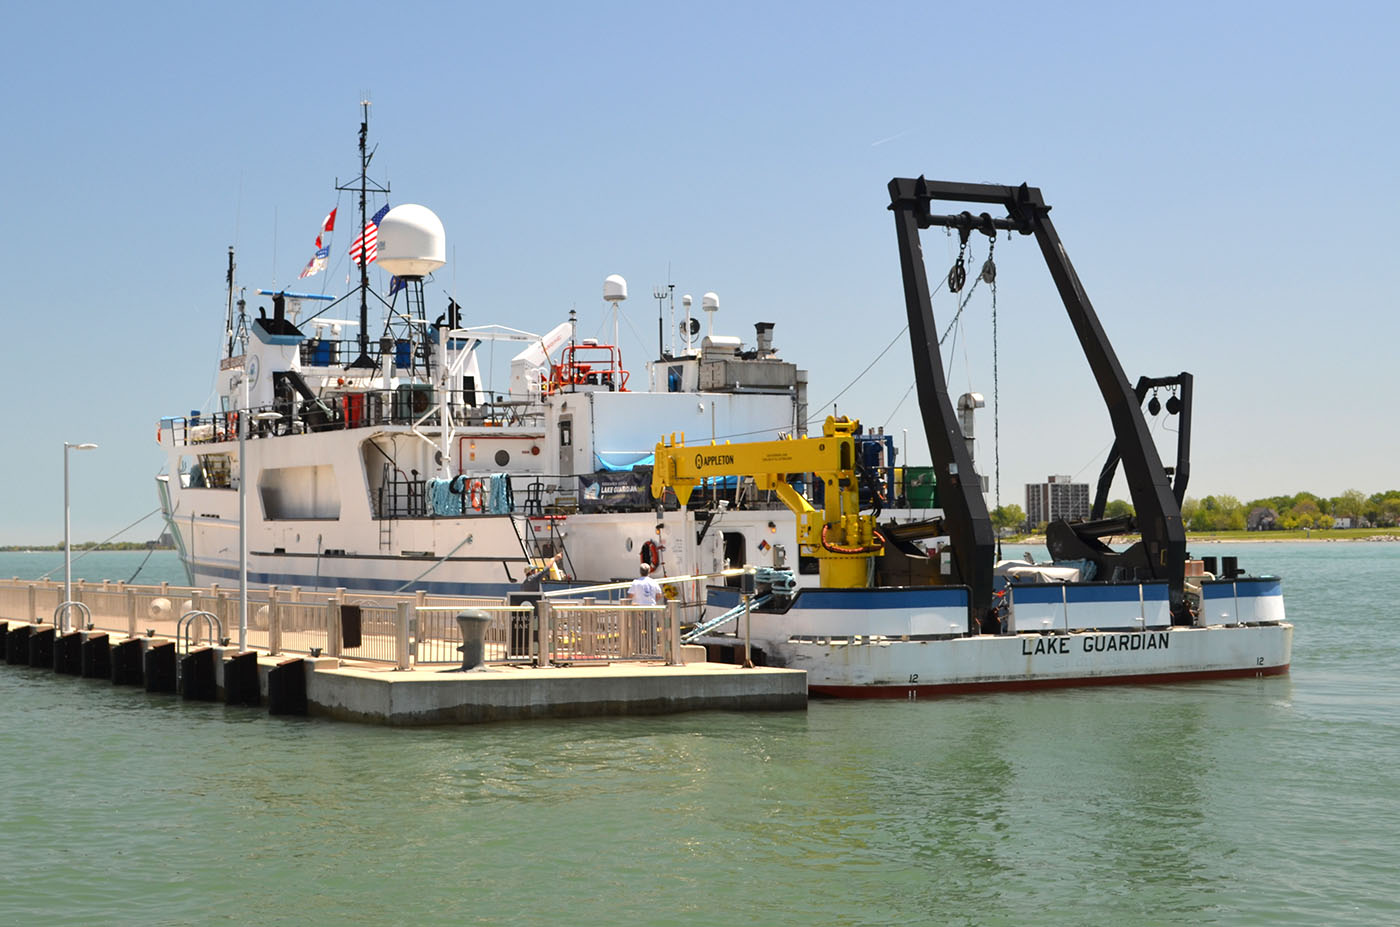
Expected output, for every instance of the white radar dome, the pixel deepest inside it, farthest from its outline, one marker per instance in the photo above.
(614, 288)
(710, 302)
(411, 241)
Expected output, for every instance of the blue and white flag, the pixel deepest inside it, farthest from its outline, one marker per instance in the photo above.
(317, 263)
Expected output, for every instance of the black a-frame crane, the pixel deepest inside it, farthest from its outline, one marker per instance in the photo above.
(1162, 551)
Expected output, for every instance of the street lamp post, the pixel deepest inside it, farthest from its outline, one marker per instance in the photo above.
(68, 530)
(243, 513)
(244, 422)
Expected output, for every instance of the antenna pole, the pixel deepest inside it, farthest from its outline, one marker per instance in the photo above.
(364, 186)
(659, 294)
(364, 264)
(228, 323)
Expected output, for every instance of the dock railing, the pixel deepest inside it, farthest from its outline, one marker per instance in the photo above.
(391, 629)
(567, 626)
(598, 624)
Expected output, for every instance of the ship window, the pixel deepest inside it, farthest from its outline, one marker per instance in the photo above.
(502, 457)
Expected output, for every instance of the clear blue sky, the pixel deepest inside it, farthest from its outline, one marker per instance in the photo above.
(1223, 175)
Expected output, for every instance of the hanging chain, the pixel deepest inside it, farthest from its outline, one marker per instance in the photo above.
(989, 274)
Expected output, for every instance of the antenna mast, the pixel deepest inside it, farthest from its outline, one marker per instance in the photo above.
(660, 294)
(228, 320)
(364, 186)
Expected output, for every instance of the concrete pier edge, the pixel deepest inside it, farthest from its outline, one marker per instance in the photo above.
(440, 695)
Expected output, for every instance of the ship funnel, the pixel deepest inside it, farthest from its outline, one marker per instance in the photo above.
(764, 337)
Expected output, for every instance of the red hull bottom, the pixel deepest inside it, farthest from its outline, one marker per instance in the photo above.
(1020, 685)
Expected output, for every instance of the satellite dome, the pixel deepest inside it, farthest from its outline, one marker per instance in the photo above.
(710, 302)
(614, 288)
(411, 241)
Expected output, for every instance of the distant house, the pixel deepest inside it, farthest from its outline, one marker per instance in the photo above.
(1341, 521)
(1261, 518)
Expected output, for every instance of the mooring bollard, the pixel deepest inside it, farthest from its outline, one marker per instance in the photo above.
(473, 622)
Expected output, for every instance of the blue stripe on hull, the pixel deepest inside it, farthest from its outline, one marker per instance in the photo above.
(354, 583)
(882, 599)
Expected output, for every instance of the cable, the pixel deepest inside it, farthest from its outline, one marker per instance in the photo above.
(861, 374)
(150, 550)
(104, 541)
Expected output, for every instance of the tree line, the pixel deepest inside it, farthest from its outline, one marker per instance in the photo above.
(1282, 513)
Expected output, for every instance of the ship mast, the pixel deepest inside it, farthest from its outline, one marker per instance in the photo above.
(364, 186)
(228, 319)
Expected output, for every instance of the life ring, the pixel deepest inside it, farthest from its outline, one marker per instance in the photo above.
(651, 554)
(476, 494)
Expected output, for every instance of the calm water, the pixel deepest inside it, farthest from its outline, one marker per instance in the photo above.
(1270, 801)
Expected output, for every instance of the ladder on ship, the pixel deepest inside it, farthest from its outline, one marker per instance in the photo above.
(386, 521)
(539, 546)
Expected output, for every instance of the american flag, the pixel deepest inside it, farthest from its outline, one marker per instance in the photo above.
(366, 247)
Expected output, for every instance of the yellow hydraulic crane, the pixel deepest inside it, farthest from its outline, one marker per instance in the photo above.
(841, 538)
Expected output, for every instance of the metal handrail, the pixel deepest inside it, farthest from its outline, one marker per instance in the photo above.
(62, 611)
(186, 623)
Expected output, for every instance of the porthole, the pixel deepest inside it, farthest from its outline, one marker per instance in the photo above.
(502, 457)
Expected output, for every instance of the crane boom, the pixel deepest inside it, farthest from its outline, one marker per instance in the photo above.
(839, 535)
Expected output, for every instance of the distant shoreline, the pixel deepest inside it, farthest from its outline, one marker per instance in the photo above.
(1255, 537)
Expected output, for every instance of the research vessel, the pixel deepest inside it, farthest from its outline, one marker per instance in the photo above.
(893, 618)
(363, 442)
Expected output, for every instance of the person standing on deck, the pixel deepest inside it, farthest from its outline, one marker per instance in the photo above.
(644, 590)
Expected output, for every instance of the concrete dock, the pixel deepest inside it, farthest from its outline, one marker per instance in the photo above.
(377, 694)
(510, 693)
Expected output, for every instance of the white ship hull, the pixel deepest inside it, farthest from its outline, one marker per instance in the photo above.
(908, 643)
(882, 668)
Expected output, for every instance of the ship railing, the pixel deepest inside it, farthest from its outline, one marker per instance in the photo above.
(340, 409)
(400, 496)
